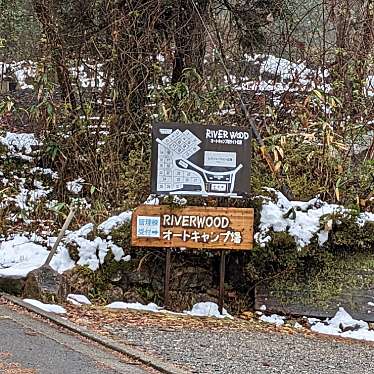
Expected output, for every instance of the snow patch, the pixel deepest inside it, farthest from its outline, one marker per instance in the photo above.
(207, 309)
(20, 255)
(342, 324)
(77, 299)
(152, 200)
(151, 307)
(365, 217)
(274, 319)
(92, 252)
(51, 308)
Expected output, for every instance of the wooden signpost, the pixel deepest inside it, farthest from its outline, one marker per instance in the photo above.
(205, 228)
(197, 160)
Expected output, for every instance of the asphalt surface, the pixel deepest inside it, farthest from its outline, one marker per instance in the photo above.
(29, 346)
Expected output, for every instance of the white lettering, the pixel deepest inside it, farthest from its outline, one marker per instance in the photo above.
(225, 222)
(200, 222)
(209, 221)
(239, 135)
(217, 221)
(166, 220)
(186, 221)
(195, 221)
(178, 220)
(216, 134)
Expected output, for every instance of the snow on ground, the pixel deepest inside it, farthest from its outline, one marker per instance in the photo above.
(22, 70)
(204, 309)
(90, 75)
(274, 319)
(279, 75)
(207, 309)
(151, 307)
(77, 299)
(51, 308)
(342, 324)
(20, 255)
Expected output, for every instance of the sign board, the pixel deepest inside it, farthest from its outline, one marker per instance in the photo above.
(203, 160)
(192, 227)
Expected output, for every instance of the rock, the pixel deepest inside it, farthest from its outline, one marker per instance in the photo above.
(80, 281)
(191, 277)
(138, 278)
(46, 285)
(115, 294)
(133, 296)
(116, 276)
(13, 285)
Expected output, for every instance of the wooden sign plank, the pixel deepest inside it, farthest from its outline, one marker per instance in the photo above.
(192, 227)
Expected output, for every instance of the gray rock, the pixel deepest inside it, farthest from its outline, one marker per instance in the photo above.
(46, 285)
(13, 284)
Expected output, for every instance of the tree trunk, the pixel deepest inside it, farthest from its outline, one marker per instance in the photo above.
(46, 16)
(190, 37)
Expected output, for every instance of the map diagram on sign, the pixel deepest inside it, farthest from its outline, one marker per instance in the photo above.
(177, 173)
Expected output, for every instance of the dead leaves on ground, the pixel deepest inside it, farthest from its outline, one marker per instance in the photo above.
(103, 320)
(15, 368)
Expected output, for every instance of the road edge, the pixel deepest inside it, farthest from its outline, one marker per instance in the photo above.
(136, 354)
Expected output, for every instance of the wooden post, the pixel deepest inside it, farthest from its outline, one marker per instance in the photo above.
(222, 281)
(167, 277)
(69, 218)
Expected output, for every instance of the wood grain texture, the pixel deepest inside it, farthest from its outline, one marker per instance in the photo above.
(240, 222)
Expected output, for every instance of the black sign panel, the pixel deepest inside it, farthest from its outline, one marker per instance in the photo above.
(203, 160)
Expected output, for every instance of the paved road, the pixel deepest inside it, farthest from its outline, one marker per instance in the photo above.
(29, 346)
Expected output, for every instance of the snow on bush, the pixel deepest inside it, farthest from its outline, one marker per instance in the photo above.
(23, 253)
(302, 220)
(115, 221)
(75, 186)
(20, 145)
